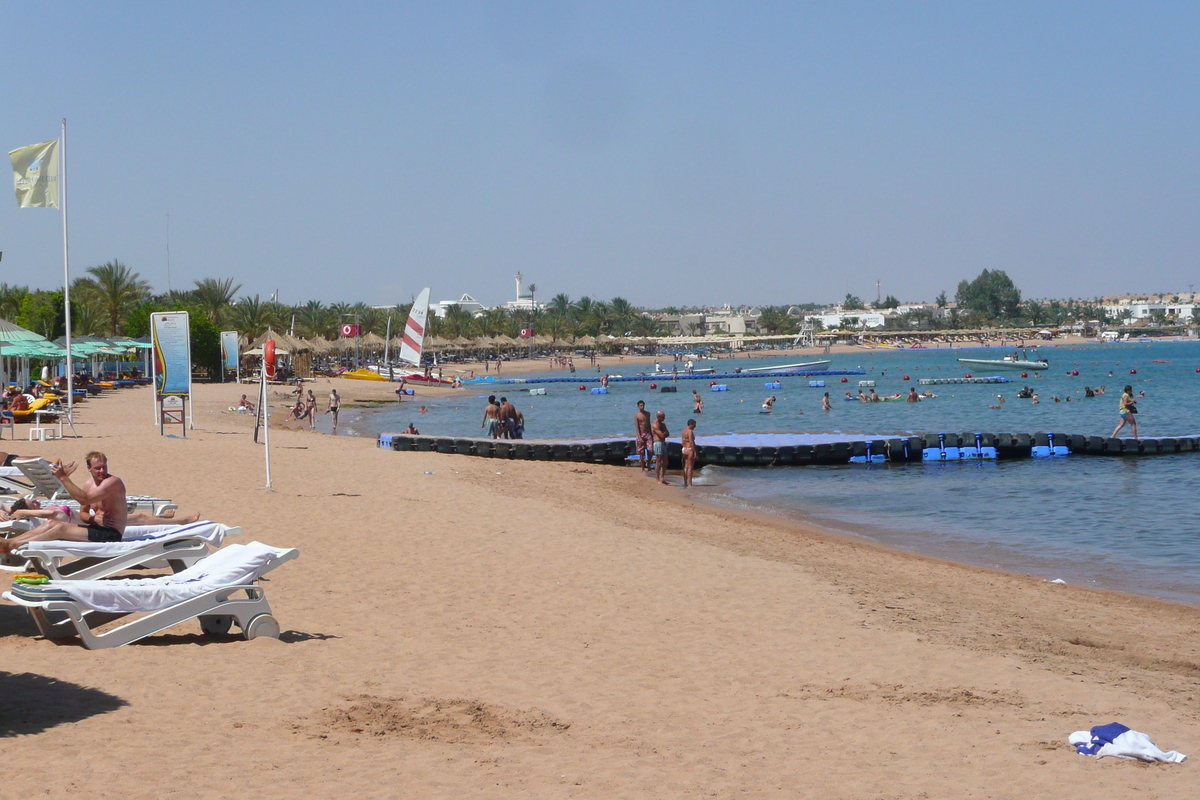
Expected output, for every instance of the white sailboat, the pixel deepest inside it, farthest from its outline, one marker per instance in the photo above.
(413, 341)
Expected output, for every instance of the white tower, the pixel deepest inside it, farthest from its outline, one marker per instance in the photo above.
(518, 286)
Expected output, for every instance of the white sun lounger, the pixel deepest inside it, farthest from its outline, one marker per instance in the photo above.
(11, 482)
(37, 472)
(178, 546)
(220, 591)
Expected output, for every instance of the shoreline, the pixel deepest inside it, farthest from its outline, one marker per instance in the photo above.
(453, 627)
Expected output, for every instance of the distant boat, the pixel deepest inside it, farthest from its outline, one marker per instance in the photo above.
(362, 375)
(811, 365)
(1010, 362)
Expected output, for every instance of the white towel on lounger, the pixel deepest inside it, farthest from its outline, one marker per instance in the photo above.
(136, 536)
(235, 565)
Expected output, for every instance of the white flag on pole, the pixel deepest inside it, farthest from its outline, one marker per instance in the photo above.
(35, 175)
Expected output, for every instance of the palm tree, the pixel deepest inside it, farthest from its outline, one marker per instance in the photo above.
(316, 319)
(252, 316)
(561, 304)
(117, 289)
(10, 300)
(214, 296)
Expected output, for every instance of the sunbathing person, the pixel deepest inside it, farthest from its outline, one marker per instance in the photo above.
(103, 508)
(32, 508)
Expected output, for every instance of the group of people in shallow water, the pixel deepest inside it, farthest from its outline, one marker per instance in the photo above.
(100, 514)
(502, 420)
(651, 439)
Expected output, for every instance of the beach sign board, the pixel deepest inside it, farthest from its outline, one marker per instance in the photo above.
(171, 340)
(229, 350)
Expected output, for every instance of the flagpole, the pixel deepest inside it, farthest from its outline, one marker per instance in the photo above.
(62, 177)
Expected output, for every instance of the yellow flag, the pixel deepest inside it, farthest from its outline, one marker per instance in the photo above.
(35, 175)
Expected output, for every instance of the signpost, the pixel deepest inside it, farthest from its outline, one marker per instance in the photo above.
(171, 339)
(229, 355)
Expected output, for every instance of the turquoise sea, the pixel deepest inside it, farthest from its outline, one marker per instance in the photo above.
(1129, 524)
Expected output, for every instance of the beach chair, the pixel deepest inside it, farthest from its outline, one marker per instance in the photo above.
(37, 472)
(9, 529)
(175, 546)
(11, 482)
(220, 591)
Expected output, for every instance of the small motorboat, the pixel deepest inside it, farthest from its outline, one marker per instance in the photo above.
(1015, 361)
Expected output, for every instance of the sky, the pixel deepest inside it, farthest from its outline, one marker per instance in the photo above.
(669, 153)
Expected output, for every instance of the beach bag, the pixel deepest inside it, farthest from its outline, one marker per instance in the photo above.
(1131, 408)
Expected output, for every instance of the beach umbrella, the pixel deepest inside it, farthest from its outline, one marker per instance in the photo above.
(10, 332)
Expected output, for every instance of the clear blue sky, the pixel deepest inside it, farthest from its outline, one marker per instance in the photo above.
(679, 153)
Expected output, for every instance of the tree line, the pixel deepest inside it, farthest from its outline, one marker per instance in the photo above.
(113, 300)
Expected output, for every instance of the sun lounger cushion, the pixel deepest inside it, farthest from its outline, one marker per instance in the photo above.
(235, 565)
(39, 594)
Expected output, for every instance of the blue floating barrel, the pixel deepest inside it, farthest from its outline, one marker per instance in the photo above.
(720, 387)
(385, 441)
(816, 384)
(600, 390)
(772, 385)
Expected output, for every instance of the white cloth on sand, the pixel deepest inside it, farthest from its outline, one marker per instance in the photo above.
(1114, 739)
(235, 565)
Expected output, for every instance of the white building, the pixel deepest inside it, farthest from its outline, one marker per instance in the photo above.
(525, 300)
(466, 303)
(848, 320)
(1179, 312)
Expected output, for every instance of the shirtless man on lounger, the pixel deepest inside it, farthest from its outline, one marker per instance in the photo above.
(102, 504)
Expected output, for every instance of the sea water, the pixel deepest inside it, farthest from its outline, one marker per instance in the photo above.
(1127, 523)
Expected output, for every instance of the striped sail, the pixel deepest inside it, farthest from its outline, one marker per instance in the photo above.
(414, 330)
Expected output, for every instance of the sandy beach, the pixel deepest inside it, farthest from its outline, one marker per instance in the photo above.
(459, 626)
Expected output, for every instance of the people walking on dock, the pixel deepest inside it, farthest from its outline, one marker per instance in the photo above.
(1128, 412)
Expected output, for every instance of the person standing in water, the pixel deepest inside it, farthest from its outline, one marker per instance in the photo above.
(825, 404)
(335, 404)
(697, 403)
(1128, 411)
(660, 433)
(643, 437)
(689, 451)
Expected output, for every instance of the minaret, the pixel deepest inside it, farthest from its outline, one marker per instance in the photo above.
(518, 286)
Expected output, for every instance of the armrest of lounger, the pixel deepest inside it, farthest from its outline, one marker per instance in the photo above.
(282, 555)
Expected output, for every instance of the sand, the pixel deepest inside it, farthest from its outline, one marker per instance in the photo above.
(464, 627)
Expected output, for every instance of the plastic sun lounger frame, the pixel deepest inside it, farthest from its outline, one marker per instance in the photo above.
(62, 561)
(217, 610)
(37, 472)
(9, 529)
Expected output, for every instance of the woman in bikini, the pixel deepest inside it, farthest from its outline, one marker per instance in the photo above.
(689, 451)
(310, 409)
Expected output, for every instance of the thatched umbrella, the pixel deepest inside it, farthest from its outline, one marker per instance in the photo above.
(373, 341)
